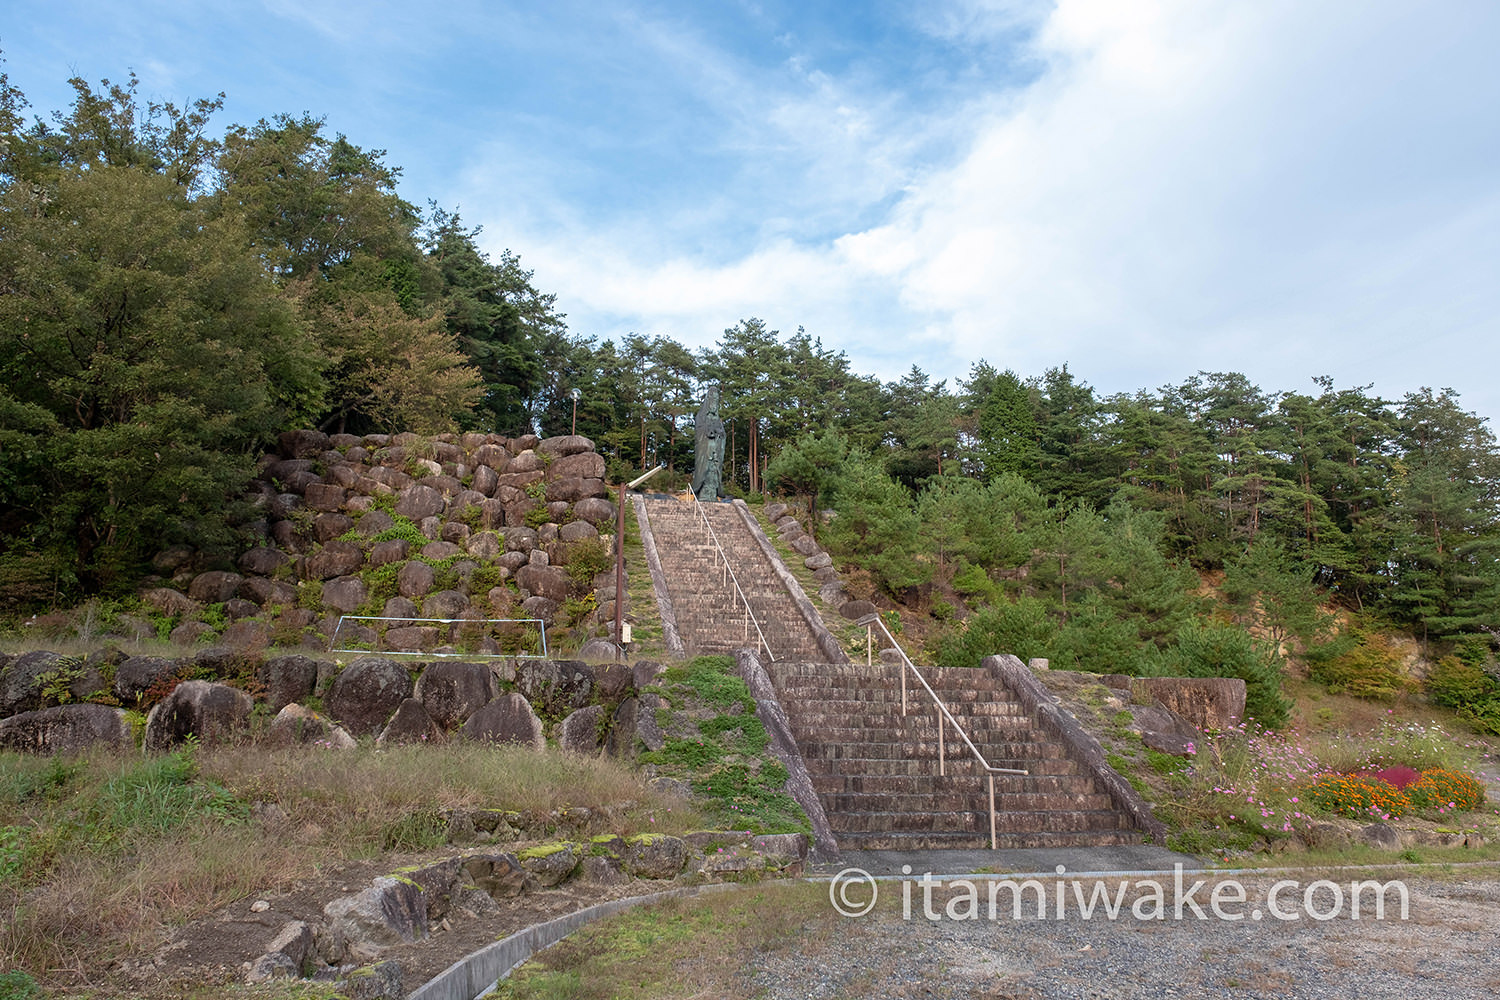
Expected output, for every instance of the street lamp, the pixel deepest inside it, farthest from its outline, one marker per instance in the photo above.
(576, 396)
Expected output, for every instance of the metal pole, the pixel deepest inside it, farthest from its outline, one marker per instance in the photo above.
(902, 668)
(942, 762)
(994, 844)
(869, 646)
(620, 570)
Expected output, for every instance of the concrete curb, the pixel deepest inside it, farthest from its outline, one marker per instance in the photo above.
(669, 633)
(1081, 746)
(477, 973)
(825, 847)
(826, 642)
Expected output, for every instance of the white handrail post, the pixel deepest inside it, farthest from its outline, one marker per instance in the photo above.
(942, 760)
(869, 645)
(902, 669)
(994, 841)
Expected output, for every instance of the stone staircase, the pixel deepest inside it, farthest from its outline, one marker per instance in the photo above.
(709, 617)
(876, 773)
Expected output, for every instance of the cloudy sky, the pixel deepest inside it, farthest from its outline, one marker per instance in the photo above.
(1139, 189)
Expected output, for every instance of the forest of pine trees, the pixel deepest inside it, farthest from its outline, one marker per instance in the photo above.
(174, 296)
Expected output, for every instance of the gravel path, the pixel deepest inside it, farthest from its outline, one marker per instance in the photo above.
(1448, 948)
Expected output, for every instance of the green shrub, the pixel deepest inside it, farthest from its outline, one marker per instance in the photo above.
(1363, 664)
(1022, 628)
(587, 559)
(17, 985)
(1213, 649)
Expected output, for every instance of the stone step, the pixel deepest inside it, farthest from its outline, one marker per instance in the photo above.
(884, 766)
(912, 784)
(996, 753)
(962, 800)
(1031, 821)
(929, 841)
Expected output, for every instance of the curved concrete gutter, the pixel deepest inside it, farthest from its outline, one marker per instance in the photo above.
(477, 974)
(1082, 747)
(826, 642)
(669, 633)
(783, 747)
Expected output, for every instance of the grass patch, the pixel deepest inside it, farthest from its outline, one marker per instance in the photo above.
(725, 757)
(677, 948)
(101, 854)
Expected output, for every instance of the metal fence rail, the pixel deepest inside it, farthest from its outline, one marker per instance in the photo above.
(335, 648)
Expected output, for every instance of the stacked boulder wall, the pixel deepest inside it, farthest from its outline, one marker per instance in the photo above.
(332, 523)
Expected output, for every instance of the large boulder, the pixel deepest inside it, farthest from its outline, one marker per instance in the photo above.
(596, 511)
(334, 559)
(65, 729)
(209, 711)
(451, 691)
(365, 694)
(556, 686)
(654, 855)
(410, 724)
(325, 497)
(583, 730)
(492, 456)
(1208, 703)
(297, 724)
(263, 560)
(21, 682)
(577, 531)
(346, 593)
(415, 579)
(214, 587)
(303, 443)
(389, 551)
(485, 480)
(286, 679)
(419, 501)
(507, 719)
(526, 461)
(389, 913)
(171, 602)
(266, 593)
(447, 605)
(584, 465)
(486, 545)
(564, 445)
(328, 527)
(551, 582)
(139, 674)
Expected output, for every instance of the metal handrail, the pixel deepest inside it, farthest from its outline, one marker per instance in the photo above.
(749, 615)
(868, 621)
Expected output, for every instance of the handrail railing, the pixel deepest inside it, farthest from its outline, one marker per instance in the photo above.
(750, 618)
(869, 621)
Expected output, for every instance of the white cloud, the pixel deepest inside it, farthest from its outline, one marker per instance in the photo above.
(1278, 188)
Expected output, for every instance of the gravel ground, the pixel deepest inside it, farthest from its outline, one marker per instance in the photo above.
(1449, 948)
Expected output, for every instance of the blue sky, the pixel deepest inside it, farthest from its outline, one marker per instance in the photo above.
(1137, 189)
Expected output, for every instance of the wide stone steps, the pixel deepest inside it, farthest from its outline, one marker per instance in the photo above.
(876, 771)
(710, 614)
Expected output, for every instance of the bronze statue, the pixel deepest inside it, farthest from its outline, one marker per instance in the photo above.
(708, 449)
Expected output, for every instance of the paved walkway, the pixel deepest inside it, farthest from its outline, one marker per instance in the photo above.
(1126, 858)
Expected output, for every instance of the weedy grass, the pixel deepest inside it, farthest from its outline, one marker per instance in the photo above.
(708, 945)
(100, 854)
(726, 760)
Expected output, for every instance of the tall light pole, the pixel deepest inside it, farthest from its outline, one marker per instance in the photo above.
(576, 396)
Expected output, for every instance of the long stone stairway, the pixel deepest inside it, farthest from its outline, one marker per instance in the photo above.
(876, 773)
(709, 615)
